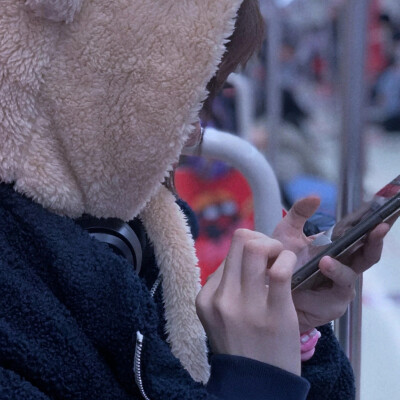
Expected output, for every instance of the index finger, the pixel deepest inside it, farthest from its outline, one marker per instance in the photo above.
(280, 279)
(232, 271)
(258, 255)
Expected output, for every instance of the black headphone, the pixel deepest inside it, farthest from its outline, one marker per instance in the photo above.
(119, 235)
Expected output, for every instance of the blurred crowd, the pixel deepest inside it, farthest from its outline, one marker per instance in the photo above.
(309, 75)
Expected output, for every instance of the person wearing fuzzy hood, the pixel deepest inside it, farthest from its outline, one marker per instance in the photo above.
(97, 100)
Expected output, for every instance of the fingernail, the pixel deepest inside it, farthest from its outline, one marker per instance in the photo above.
(330, 266)
(305, 339)
(313, 332)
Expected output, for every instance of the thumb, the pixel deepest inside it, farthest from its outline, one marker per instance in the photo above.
(299, 213)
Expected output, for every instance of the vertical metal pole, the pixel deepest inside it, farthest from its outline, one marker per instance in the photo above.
(352, 156)
(273, 79)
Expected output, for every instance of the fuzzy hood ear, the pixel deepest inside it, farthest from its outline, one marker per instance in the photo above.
(55, 10)
(93, 113)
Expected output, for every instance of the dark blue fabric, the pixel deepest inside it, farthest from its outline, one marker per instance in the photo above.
(329, 370)
(227, 373)
(69, 312)
(191, 218)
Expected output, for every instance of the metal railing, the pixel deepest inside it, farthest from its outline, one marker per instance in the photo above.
(243, 156)
(244, 101)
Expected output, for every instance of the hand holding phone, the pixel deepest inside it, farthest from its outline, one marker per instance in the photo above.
(326, 302)
(346, 237)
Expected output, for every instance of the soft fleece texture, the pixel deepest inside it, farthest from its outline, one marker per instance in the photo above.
(90, 105)
(55, 10)
(178, 283)
(69, 311)
(96, 101)
(329, 371)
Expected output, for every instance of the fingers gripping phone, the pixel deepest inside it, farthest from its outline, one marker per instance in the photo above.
(346, 236)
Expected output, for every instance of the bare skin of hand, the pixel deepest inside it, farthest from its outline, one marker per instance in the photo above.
(324, 304)
(241, 314)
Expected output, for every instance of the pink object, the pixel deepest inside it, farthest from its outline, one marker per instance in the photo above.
(308, 341)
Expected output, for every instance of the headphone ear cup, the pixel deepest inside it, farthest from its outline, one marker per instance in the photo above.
(119, 235)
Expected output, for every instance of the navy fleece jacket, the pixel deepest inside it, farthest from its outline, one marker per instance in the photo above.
(69, 312)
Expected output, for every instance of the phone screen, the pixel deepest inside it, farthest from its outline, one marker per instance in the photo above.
(367, 209)
(346, 236)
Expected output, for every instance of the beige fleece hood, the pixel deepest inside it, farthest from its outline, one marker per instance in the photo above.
(97, 98)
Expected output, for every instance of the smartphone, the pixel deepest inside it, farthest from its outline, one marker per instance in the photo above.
(346, 236)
